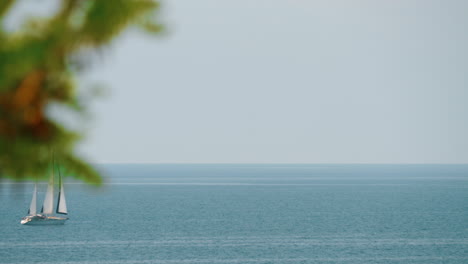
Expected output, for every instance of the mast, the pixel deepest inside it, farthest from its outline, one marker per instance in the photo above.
(33, 206)
(48, 205)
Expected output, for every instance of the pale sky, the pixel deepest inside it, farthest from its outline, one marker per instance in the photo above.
(288, 81)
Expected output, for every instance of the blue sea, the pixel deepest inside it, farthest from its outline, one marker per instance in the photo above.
(249, 213)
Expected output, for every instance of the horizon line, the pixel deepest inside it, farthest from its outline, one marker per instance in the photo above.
(283, 163)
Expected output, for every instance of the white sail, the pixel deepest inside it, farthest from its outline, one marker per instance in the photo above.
(61, 203)
(48, 206)
(33, 206)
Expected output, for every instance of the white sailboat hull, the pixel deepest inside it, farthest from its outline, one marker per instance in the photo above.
(43, 220)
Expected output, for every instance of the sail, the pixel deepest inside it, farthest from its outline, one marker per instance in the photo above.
(61, 202)
(48, 206)
(33, 207)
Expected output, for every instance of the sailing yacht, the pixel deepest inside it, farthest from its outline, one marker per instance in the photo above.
(46, 217)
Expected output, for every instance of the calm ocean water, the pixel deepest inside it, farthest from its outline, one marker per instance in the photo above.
(250, 214)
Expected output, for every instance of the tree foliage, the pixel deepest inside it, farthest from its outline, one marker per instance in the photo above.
(38, 64)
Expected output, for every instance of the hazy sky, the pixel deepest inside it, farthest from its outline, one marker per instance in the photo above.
(294, 81)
